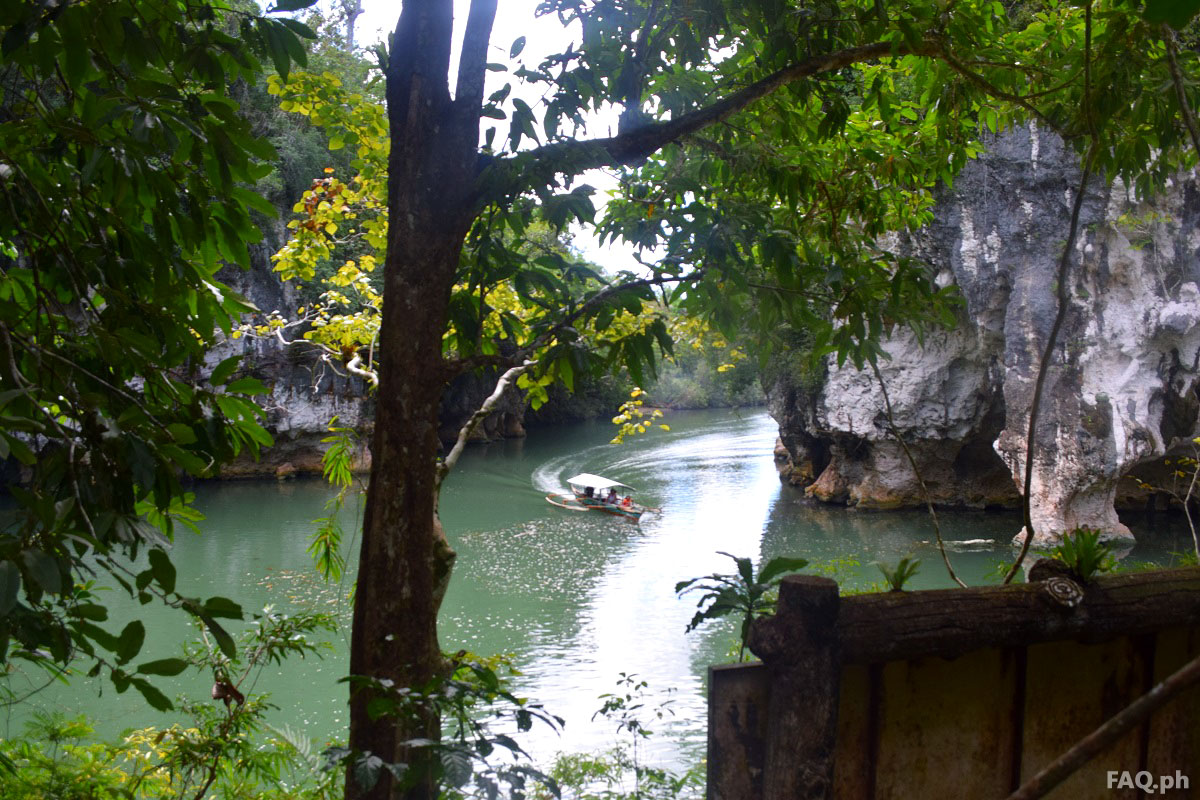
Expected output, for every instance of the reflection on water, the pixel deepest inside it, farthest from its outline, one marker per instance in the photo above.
(576, 598)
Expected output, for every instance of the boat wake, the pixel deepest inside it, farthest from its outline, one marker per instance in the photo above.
(642, 463)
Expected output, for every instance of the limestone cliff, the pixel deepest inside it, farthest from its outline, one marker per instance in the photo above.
(1120, 393)
(305, 393)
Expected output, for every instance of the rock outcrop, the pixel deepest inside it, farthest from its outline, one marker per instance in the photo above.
(305, 393)
(305, 396)
(1122, 387)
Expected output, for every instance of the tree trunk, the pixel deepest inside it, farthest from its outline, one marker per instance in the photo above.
(396, 602)
(404, 561)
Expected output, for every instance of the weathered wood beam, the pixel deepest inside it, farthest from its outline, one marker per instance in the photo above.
(949, 622)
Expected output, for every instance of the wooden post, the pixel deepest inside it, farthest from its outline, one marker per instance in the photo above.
(799, 646)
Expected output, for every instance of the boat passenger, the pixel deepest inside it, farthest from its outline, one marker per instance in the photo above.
(588, 491)
(612, 497)
(627, 502)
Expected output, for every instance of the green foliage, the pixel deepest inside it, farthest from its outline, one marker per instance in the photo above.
(54, 758)
(792, 358)
(632, 419)
(227, 750)
(1181, 483)
(1189, 559)
(742, 592)
(605, 776)
(705, 371)
(1176, 13)
(51, 759)
(475, 703)
(125, 169)
(898, 575)
(625, 707)
(1084, 554)
(326, 544)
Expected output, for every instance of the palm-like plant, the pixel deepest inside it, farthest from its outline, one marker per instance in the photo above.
(741, 592)
(898, 575)
(1083, 552)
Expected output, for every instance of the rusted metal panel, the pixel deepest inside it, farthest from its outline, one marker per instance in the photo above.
(1072, 688)
(853, 770)
(945, 727)
(1173, 744)
(738, 697)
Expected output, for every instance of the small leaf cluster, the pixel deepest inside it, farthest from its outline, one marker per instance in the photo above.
(605, 776)
(632, 419)
(1084, 554)
(900, 574)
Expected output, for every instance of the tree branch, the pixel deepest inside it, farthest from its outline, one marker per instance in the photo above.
(995, 91)
(354, 367)
(937, 528)
(631, 79)
(456, 367)
(513, 174)
(464, 433)
(472, 63)
(1185, 108)
(459, 366)
(1063, 296)
(1100, 739)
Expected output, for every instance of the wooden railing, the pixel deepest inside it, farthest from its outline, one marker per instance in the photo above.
(957, 693)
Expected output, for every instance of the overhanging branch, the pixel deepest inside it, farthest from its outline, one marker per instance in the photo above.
(464, 433)
(472, 64)
(540, 165)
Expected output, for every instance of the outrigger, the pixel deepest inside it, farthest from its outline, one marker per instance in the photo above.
(597, 493)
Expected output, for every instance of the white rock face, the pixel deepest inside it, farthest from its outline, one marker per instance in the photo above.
(1121, 388)
(305, 396)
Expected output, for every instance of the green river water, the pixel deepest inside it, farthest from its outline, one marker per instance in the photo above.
(575, 598)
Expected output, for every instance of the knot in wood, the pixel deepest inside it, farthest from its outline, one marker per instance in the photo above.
(1062, 592)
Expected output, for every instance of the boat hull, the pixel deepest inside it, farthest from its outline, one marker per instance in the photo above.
(582, 504)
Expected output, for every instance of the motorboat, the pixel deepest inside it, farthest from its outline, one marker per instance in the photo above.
(596, 493)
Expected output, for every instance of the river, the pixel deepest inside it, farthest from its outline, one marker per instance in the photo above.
(576, 599)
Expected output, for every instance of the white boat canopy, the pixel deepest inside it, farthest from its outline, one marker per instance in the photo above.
(596, 482)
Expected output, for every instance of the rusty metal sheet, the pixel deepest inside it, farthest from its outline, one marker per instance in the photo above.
(1173, 746)
(946, 727)
(1072, 688)
(738, 696)
(853, 769)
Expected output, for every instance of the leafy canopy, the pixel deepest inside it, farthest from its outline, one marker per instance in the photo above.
(125, 166)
